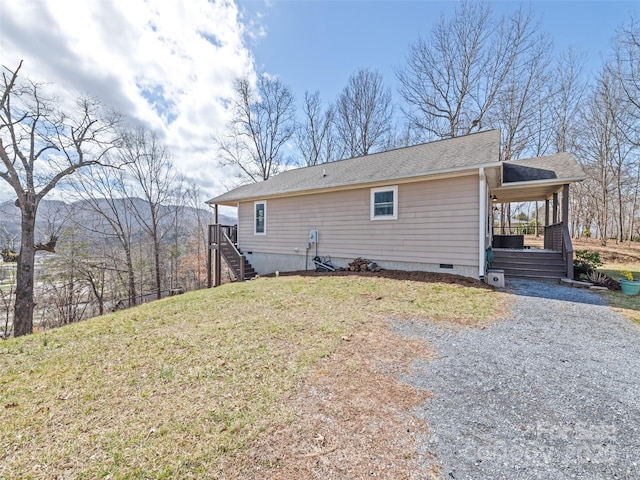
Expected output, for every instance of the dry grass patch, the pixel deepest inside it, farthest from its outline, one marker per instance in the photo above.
(352, 416)
(188, 387)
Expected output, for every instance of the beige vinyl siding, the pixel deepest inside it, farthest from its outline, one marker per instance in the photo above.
(437, 223)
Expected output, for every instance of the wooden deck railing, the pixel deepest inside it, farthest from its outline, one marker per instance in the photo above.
(557, 238)
(553, 237)
(215, 230)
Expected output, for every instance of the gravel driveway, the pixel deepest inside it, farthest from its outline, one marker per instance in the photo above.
(552, 393)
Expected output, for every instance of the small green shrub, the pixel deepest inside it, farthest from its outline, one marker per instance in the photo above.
(592, 258)
(585, 262)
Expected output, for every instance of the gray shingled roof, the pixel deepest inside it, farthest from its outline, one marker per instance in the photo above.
(449, 155)
(561, 166)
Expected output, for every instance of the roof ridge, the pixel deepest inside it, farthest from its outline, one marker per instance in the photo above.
(391, 150)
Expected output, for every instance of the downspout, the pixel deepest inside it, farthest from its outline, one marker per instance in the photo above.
(482, 223)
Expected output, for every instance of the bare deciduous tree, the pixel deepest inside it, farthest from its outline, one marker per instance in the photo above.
(625, 67)
(607, 155)
(567, 91)
(103, 192)
(452, 78)
(364, 114)
(315, 136)
(522, 94)
(149, 165)
(39, 146)
(263, 122)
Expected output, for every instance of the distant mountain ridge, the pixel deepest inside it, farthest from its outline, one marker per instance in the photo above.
(52, 214)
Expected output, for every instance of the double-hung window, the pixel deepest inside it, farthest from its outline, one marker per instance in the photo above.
(384, 203)
(260, 217)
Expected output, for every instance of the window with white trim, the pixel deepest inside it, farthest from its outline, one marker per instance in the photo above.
(260, 218)
(384, 203)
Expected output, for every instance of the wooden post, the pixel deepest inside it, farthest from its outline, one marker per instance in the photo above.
(565, 205)
(555, 208)
(546, 212)
(218, 268)
(209, 259)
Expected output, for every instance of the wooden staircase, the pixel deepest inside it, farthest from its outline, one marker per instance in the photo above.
(534, 263)
(223, 241)
(233, 261)
(230, 254)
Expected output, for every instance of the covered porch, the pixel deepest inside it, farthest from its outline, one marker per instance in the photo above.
(546, 180)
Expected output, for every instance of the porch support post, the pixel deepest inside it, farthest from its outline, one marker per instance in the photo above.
(546, 212)
(484, 198)
(209, 258)
(565, 204)
(555, 208)
(217, 269)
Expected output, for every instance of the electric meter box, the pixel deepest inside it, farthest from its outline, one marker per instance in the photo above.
(313, 236)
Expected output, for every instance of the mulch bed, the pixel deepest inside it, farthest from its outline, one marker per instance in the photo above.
(414, 276)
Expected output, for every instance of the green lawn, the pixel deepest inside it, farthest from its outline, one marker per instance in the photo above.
(179, 388)
(627, 305)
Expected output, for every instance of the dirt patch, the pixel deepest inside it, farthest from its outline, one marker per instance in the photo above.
(416, 276)
(352, 416)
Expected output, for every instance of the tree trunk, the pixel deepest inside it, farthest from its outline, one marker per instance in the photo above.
(634, 204)
(131, 274)
(156, 257)
(23, 310)
(620, 233)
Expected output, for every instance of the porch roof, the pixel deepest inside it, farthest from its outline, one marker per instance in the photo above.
(536, 179)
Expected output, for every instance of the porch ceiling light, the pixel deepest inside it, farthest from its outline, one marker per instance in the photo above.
(494, 199)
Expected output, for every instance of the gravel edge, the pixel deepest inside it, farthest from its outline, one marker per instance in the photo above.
(551, 393)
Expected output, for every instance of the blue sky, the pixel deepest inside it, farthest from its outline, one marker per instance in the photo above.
(319, 44)
(170, 64)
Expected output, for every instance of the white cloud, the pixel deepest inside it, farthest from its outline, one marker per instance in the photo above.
(166, 63)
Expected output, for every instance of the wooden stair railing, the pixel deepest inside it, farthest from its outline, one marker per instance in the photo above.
(567, 250)
(223, 241)
(231, 254)
(557, 238)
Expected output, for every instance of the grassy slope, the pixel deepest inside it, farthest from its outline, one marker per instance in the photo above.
(179, 388)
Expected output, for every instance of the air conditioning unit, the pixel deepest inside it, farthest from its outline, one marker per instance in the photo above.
(495, 278)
